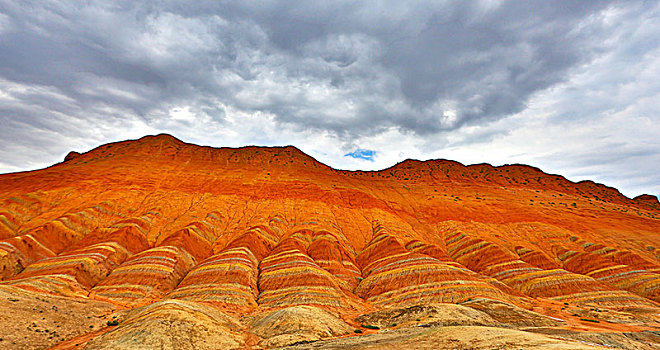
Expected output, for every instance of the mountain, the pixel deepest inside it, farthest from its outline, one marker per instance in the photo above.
(155, 243)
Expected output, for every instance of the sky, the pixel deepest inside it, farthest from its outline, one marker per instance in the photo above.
(571, 87)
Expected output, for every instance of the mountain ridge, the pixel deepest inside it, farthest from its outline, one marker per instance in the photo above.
(410, 164)
(156, 240)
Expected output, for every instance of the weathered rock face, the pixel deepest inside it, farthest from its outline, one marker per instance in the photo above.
(71, 155)
(298, 324)
(649, 200)
(173, 325)
(241, 247)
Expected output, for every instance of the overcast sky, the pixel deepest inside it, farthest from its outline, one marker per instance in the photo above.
(571, 87)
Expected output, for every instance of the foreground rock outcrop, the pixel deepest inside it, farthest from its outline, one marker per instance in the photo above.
(159, 244)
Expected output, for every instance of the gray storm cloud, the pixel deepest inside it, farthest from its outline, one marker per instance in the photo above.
(474, 60)
(351, 70)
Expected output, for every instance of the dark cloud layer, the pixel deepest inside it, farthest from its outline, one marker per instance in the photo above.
(464, 59)
(350, 71)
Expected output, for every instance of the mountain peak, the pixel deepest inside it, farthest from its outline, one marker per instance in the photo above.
(71, 155)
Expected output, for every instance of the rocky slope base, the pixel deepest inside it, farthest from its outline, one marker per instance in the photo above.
(159, 244)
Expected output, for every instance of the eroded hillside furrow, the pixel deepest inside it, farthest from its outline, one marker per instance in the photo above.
(145, 277)
(635, 280)
(393, 276)
(130, 232)
(16, 211)
(49, 239)
(196, 238)
(622, 256)
(289, 277)
(8, 224)
(228, 279)
(489, 259)
(336, 257)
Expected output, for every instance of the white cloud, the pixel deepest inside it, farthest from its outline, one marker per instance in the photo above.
(5, 24)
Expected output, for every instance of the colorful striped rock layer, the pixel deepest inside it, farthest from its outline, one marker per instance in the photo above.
(167, 245)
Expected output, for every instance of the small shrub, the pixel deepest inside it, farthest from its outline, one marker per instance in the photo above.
(112, 323)
(368, 326)
(358, 331)
(589, 320)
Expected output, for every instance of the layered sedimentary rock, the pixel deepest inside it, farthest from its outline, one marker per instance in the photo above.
(624, 257)
(488, 258)
(196, 238)
(335, 256)
(48, 239)
(227, 242)
(289, 277)
(634, 279)
(394, 275)
(227, 279)
(537, 258)
(145, 276)
(86, 266)
(130, 233)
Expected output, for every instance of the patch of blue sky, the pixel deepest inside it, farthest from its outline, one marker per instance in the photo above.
(360, 153)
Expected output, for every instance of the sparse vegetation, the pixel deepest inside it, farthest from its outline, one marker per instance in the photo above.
(368, 326)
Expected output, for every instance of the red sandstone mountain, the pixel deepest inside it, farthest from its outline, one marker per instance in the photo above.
(258, 247)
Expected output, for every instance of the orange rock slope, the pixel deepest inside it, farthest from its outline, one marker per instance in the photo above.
(256, 229)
